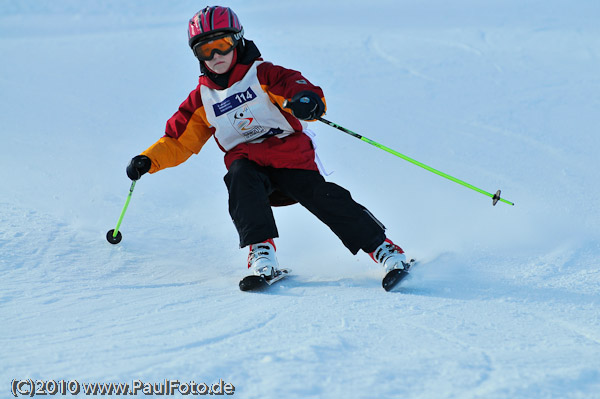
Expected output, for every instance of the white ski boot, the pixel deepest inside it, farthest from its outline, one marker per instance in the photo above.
(262, 260)
(390, 256)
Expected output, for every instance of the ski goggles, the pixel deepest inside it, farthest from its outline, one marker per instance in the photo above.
(205, 50)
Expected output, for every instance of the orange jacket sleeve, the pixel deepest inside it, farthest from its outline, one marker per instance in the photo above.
(186, 133)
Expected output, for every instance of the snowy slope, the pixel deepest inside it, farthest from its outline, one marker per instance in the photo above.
(505, 304)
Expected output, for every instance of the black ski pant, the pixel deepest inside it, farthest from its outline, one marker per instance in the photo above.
(250, 186)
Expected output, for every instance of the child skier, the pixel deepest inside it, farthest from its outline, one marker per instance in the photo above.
(270, 160)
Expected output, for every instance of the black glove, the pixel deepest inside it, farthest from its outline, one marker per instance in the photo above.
(139, 165)
(306, 105)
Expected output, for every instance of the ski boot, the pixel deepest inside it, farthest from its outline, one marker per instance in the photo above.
(262, 266)
(262, 260)
(389, 255)
(394, 262)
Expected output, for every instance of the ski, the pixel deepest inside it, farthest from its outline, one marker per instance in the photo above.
(254, 283)
(395, 276)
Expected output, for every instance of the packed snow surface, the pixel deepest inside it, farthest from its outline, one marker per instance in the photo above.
(505, 300)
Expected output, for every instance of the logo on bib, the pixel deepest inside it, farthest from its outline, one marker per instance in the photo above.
(245, 123)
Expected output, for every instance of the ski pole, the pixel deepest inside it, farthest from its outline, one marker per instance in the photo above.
(114, 235)
(495, 197)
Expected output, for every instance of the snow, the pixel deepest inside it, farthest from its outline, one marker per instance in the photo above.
(505, 301)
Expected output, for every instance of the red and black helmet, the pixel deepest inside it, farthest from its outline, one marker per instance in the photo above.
(215, 19)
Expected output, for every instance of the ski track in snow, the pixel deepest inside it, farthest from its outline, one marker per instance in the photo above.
(503, 303)
(470, 332)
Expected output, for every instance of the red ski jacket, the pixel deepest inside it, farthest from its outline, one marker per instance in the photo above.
(246, 118)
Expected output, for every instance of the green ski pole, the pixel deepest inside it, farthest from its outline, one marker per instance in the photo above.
(114, 235)
(495, 197)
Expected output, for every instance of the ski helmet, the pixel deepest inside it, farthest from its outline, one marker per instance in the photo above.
(215, 19)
